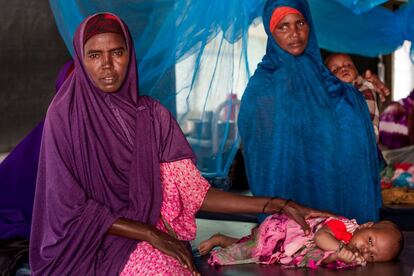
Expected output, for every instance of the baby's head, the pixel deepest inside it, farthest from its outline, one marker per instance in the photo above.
(342, 66)
(378, 242)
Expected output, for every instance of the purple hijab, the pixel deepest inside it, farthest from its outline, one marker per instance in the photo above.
(99, 161)
(18, 178)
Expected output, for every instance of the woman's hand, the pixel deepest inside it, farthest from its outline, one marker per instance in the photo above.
(379, 86)
(174, 248)
(223, 202)
(300, 213)
(164, 242)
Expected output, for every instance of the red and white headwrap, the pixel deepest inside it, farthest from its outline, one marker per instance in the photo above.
(279, 13)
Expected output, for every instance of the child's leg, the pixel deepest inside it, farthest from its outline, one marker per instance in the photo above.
(215, 240)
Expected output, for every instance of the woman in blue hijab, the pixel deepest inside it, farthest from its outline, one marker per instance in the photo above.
(307, 136)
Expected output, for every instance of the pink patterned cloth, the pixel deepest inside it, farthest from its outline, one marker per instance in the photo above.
(280, 239)
(184, 190)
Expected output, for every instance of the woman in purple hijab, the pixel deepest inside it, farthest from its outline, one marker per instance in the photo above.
(117, 188)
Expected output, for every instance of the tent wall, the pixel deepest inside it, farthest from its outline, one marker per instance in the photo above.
(31, 53)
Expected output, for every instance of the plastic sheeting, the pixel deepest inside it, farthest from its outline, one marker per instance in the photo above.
(193, 55)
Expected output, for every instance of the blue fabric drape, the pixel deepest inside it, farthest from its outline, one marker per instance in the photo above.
(360, 6)
(168, 32)
(341, 25)
(306, 135)
(211, 38)
(377, 31)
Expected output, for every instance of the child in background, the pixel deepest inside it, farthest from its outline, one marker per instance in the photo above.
(342, 66)
(334, 242)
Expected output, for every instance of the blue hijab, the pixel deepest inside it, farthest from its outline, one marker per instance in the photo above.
(306, 135)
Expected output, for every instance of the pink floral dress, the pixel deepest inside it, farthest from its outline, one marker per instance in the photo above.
(184, 190)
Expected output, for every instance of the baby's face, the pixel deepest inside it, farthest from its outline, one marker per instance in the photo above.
(376, 243)
(342, 67)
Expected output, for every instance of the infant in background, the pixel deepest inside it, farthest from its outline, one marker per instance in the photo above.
(342, 66)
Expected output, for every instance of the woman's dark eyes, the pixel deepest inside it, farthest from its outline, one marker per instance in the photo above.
(283, 27)
(115, 53)
(302, 23)
(118, 53)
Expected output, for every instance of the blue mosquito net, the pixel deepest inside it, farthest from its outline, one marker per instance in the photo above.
(196, 56)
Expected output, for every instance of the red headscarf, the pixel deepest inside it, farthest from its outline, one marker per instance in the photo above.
(279, 13)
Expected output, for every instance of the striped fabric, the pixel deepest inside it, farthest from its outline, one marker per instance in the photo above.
(350, 224)
(395, 123)
(367, 90)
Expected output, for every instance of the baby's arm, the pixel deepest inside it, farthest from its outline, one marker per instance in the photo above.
(346, 255)
(215, 240)
(325, 240)
(379, 86)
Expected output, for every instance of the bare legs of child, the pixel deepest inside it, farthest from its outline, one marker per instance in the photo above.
(215, 240)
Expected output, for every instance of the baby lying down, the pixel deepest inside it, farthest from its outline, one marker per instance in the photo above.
(334, 242)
